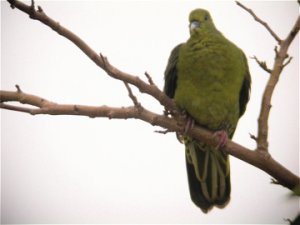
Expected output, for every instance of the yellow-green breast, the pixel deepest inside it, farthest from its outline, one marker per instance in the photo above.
(211, 71)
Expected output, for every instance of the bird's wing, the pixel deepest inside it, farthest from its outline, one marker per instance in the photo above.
(171, 72)
(245, 90)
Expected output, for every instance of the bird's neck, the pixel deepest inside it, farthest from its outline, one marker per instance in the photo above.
(210, 34)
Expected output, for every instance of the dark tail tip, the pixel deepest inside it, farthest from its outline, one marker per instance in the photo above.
(197, 195)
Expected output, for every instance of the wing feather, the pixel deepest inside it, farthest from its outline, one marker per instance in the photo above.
(245, 90)
(171, 72)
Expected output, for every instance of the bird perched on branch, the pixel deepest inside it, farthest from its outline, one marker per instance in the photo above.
(209, 79)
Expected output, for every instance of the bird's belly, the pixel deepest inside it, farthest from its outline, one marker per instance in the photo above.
(211, 108)
(208, 85)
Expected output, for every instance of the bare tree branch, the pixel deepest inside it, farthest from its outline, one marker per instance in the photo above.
(256, 18)
(280, 56)
(262, 138)
(98, 59)
(38, 105)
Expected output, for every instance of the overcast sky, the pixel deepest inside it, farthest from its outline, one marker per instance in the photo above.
(67, 169)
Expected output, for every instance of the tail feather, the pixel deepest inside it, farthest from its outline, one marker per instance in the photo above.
(208, 175)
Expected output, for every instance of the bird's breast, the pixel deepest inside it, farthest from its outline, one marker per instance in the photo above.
(207, 85)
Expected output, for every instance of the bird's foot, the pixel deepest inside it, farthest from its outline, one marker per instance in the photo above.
(222, 137)
(187, 122)
(190, 123)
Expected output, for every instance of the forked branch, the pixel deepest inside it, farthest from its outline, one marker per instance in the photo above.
(280, 57)
(36, 105)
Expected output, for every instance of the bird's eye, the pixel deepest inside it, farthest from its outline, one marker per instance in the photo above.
(206, 17)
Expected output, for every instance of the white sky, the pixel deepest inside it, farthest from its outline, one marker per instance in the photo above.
(64, 169)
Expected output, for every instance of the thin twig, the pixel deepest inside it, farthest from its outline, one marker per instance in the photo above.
(276, 50)
(274, 181)
(262, 64)
(32, 5)
(287, 62)
(150, 80)
(17, 108)
(163, 131)
(132, 96)
(40, 10)
(253, 137)
(18, 88)
(261, 22)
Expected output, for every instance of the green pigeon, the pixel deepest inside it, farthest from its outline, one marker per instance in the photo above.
(208, 77)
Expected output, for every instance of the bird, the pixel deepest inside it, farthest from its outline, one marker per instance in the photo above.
(208, 77)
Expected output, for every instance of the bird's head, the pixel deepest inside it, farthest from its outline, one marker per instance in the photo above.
(200, 21)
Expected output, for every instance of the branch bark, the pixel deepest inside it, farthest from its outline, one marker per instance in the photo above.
(279, 63)
(256, 18)
(281, 56)
(98, 59)
(37, 105)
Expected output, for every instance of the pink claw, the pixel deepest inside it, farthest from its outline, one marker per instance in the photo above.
(222, 138)
(190, 123)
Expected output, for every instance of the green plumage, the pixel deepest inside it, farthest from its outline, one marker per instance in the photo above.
(208, 77)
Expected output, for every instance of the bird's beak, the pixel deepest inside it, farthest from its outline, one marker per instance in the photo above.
(194, 24)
